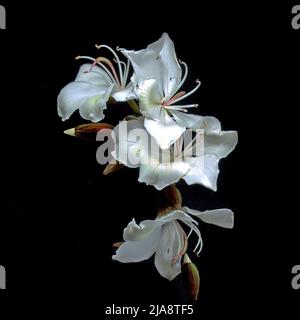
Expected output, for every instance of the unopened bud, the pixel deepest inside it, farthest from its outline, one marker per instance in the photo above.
(88, 131)
(112, 167)
(117, 244)
(193, 277)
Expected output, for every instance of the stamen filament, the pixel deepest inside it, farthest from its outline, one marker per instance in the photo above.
(101, 65)
(176, 108)
(193, 226)
(177, 95)
(126, 72)
(182, 239)
(105, 60)
(184, 76)
(185, 106)
(116, 57)
(189, 93)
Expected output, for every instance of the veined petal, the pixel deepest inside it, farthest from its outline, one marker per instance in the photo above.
(165, 131)
(93, 75)
(136, 251)
(76, 95)
(220, 217)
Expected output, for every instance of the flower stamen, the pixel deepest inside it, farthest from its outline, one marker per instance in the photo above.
(182, 242)
(108, 62)
(177, 95)
(117, 60)
(189, 93)
(108, 73)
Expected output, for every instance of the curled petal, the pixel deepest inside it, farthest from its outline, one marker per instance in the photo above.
(93, 75)
(136, 251)
(90, 99)
(219, 217)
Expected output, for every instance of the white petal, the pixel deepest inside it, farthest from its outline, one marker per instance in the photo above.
(146, 66)
(188, 120)
(92, 108)
(167, 250)
(150, 98)
(193, 121)
(205, 169)
(220, 217)
(167, 268)
(157, 61)
(126, 94)
(206, 174)
(210, 124)
(220, 144)
(93, 75)
(76, 94)
(136, 251)
(161, 175)
(165, 131)
(172, 73)
(138, 232)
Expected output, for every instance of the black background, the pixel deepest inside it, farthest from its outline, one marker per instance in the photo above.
(60, 215)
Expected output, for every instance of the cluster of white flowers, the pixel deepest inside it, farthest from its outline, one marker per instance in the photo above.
(153, 90)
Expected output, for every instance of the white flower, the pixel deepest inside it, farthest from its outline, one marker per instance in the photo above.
(166, 238)
(160, 168)
(158, 78)
(93, 86)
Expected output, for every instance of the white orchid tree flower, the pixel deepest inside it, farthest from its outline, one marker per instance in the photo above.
(94, 85)
(195, 161)
(158, 79)
(166, 238)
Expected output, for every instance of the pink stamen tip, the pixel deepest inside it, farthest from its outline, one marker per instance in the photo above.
(177, 95)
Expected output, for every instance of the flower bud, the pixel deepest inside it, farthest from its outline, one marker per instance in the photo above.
(193, 277)
(112, 167)
(88, 131)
